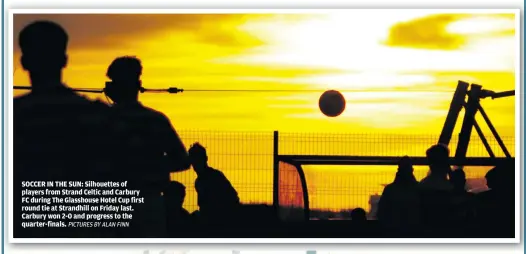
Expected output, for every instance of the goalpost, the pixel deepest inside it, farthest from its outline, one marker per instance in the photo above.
(290, 188)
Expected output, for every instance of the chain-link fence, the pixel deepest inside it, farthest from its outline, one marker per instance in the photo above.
(246, 158)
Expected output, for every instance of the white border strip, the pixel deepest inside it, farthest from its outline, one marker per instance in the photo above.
(253, 11)
(518, 31)
(265, 240)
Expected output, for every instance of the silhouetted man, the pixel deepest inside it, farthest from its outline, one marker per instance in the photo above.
(58, 134)
(437, 191)
(399, 205)
(178, 218)
(217, 199)
(438, 158)
(149, 148)
(496, 207)
(148, 135)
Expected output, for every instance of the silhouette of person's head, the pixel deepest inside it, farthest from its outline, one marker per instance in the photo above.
(458, 179)
(43, 45)
(125, 73)
(405, 166)
(492, 178)
(358, 214)
(175, 193)
(438, 158)
(501, 177)
(198, 157)
(404, 174)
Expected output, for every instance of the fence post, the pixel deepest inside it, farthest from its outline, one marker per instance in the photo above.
(275, 199)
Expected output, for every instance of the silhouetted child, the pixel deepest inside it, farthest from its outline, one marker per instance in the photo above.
(178, 218)
(59, 135)
(149, 148)
(436, 191)
(399, 205)
(217, 199)
(358, 215)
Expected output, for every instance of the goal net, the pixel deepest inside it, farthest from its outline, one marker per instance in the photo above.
(293, 195)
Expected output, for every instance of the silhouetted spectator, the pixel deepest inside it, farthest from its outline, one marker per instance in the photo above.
(178, 218)
(217, 199)
(436, 191)
(358, 214)
(399, 205)
(149, 148)
(458, 179)
(59, 135)
(438, 158)
(496, 207)
(462, 200)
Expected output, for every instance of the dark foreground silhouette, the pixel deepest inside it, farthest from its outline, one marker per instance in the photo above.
(149, 148)
(59, 135)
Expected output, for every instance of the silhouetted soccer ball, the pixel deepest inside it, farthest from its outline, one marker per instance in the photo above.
(332, 103)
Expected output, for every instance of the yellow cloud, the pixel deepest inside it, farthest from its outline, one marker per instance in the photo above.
(427, 33)
(449, 31)
(96, 31)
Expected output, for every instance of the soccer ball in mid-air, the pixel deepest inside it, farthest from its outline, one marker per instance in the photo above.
(332, 103)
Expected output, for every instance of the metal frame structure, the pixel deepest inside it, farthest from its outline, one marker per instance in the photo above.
(472, 106)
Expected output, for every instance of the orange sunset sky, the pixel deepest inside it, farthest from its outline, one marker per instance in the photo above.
(398, 70)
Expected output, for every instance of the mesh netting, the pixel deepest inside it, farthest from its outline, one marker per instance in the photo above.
(291, 201)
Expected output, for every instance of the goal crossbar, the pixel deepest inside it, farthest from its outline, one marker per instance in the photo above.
(383, 160)
(297, 190)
